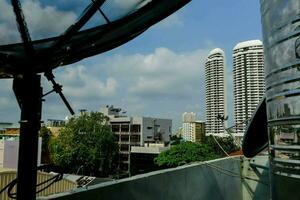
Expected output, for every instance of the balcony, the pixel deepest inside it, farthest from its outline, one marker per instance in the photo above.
(221, 179)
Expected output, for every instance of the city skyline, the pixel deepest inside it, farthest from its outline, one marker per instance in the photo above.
(158, 74)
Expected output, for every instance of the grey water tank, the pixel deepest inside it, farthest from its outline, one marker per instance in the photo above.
(281, 32)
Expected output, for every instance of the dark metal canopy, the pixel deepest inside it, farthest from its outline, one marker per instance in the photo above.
(256, 135)
(67, 49)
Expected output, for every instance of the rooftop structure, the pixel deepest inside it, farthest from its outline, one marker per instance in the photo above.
(222, 179)
(54, 125)
(246, 44)
(8, 175)
(55, 122)
(189, 117)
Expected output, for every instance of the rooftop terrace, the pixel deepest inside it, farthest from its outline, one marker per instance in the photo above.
(225, 179)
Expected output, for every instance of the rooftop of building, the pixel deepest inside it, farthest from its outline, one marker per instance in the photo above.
(116, 115)
(248, 43)
(216, 51)
(8, 175)
(148, 149)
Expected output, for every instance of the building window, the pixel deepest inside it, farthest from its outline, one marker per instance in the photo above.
(136, 128)
(124, 138)
(115, 128)
(124, 147)
(124, 128)
(135, 138)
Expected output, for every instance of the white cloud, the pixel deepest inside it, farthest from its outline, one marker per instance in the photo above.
(42, 21)
(80, 83)
(174, 20)
(163, 73)
(121, 4)
(46, 21)
(8, 30)
(163, 83)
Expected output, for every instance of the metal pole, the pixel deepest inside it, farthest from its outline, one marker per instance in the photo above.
(28, 92)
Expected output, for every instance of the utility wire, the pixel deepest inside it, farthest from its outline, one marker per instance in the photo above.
(220, 146)
(231, 173)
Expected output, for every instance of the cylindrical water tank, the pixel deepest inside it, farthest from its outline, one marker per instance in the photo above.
(281, 32)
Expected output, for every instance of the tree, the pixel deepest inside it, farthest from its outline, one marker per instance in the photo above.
(184, 153)
(86, 145)
(175, 140)
(227, 144)
(46, 135)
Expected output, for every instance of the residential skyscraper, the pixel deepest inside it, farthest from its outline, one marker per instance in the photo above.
(215, 91)
(248, 81)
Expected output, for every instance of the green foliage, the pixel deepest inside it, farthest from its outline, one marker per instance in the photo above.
(86, 145)
(46, 135)
(188, 152)
(227, 144)
(183, 153)
(175, 140)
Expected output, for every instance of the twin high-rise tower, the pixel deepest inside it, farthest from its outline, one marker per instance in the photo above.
(215, 91)
(248, 81)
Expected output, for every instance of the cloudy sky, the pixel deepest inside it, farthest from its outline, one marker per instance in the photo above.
(158, 74)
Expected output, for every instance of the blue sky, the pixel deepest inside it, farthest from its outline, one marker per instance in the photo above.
(158, 74)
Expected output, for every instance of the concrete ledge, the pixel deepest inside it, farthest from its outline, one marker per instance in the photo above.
(195, 181)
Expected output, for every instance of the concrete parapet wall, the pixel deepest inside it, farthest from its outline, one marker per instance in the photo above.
(218, 180)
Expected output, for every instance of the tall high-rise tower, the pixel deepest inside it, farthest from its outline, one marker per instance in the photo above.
(248, 81)
(215, 91)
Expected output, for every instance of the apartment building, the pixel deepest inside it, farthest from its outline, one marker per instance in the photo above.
(248, 81)
(136, 131)
(215, 99)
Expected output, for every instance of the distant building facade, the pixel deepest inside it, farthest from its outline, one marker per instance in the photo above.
(142, 158)
(248, 81)
(136, 131)
(192, 130)
(179, 132)
(4, 126)
(54, 125)
(9, 150)
(215, 91)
